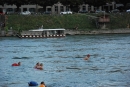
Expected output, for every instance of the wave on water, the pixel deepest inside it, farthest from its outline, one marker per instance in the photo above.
(21, 57)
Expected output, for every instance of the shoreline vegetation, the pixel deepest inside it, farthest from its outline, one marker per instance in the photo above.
(74, 24)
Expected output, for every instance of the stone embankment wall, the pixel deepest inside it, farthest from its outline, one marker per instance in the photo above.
(79, 32)
(98, 31)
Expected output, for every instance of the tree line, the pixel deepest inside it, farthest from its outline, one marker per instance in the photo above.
(71, 3)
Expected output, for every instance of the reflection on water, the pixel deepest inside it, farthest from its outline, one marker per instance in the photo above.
(64, 66)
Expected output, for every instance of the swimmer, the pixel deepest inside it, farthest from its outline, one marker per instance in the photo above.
(38, 64)
(42, 84)
(87, 57)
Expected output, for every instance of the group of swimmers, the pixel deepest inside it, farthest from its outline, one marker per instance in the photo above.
(37, 66)
(40, 66)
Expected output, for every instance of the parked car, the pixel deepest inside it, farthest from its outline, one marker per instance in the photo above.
(128, 10)
(66, 12)
(10, 12)
(26, 13)
(84, 11)
(115, 11)
(99, 11)
(47, 12)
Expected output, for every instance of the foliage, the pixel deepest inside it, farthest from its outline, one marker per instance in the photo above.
(49, 21)
(2, 2)
(81, 21)
(119, 20)
(97, 3)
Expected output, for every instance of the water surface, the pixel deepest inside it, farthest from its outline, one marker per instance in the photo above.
(108, 66)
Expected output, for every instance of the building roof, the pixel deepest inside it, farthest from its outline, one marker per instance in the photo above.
(47, 29)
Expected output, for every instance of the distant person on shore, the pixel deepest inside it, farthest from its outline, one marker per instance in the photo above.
(16, 64)
(42, 84)
(87, 57)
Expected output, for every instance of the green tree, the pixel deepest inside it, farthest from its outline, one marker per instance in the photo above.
(2, 2)
(96, 3)
(72, 4)
(43, 3)
(124, 2)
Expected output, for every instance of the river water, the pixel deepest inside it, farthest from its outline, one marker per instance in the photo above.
(64, 66)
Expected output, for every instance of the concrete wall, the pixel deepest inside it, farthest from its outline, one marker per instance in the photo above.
(98, 31)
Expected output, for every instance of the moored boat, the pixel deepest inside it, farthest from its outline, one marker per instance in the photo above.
(43, 33)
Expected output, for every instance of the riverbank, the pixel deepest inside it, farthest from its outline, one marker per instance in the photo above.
(84, 22)
(80, 32)
(74, 24)
(98, 31)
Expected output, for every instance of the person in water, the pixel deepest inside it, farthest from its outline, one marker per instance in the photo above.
(42, 84)
(39, 66)
(16, 64)
(87, 57)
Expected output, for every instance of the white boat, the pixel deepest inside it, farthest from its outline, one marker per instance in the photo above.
(43, 33)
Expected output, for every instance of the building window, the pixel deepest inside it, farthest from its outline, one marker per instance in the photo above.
(61, 8)
(67, 8)
(10, 9)
(24, 9)
(49, 9)
(15, 10)
(41, 10)
(1, 10)
(56, 8)
(89, 8)
(32, 9)
(84, 8)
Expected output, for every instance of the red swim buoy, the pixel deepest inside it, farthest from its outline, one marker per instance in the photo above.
(15, 64)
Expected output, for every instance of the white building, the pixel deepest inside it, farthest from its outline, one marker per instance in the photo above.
(55, 9)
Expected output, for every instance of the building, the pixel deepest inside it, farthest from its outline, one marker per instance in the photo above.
(55, 9)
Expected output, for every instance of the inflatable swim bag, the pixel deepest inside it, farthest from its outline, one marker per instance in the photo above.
(32, 83)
